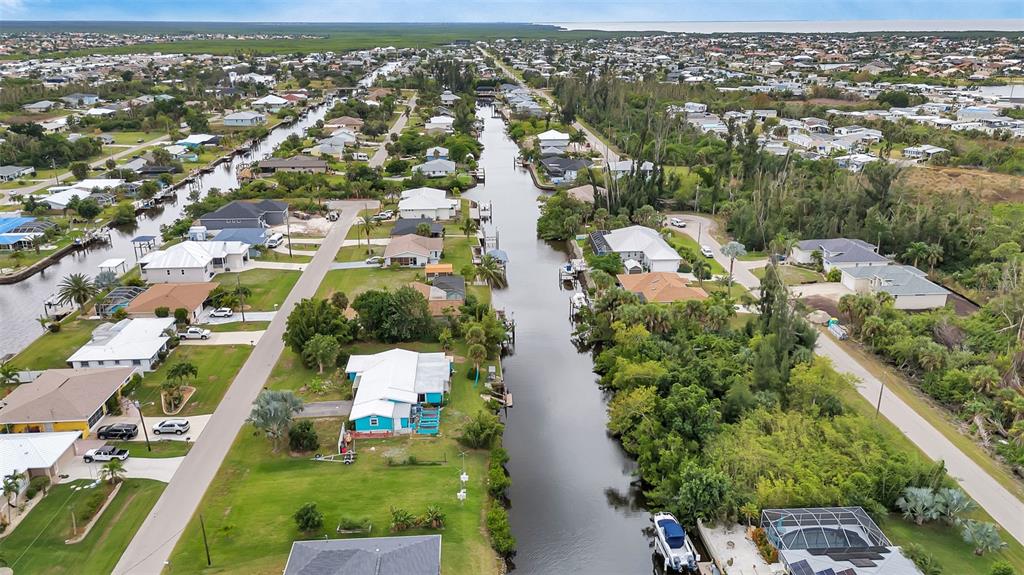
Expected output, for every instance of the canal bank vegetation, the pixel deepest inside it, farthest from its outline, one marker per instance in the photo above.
(725, 421)
(967, 358)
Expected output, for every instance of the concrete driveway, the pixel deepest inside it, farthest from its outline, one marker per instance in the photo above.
(197, 423)
(228, 338)
(352, 265)
(160, 469)
(278, 265)
(326, 409)
(205, 318)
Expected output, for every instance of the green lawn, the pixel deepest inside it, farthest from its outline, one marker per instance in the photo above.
(289, 373)
(132, 138)
(792, 275)
(217, 364)
(37, 544)
(238, 325)
(355, 282)
(358, 253)
(381, 230)
(51, 350)
(268, 287)
(457, 252)
(272, 256)
(679, 239)
(735, 291)
(161, 447)
(248, 508)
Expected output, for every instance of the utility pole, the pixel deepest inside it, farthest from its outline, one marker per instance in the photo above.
(206, 544)
(288, 224)
(142, 420)
(238, 289)
(881, 388)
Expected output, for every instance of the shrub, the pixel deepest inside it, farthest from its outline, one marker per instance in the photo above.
(132, 384)
(497, 480)
(402, 519)
(768, 551)
(351, 524)
(834, 275)
(308, 518)
(1000, 568)
(119, 314)
(37, 484)
(502, 540)
(53, 326)
(922, 559)
(162, 311)
(181, 316)
(91, 503)
(302, 436)
(482, 430)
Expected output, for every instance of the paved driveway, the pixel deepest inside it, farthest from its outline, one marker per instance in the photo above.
(149, 550)
(352, 265)
(830, 290)
(161, 469)
(326, 409)
(205, 318)
(278, 265)
(228, 338)
(197, 423)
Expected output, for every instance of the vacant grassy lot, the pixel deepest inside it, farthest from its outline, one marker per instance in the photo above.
(355, 282)
(161, 448)
(679, 240)
(379, 230)
(248, 508)
(51, 350)
(358, 253)
(272, 256)
(217, 364)
(238, 325)
(268, 287)
(37, 544)
(792, 275)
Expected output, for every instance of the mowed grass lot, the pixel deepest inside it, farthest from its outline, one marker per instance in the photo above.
(358, 253)
(355, 282)
(249, 506)
(217, 364)
(792, 275)
(51, 350)
(268, 287)
(679, 239)
(238, 325)
(161, 448)
(37, 545)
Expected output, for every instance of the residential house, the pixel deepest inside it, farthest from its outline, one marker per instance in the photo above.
(413, 251)
(134, 343)
(80, 100)
(195, 141)
(586, 193)
(426, 203)
(41, 106)
(256, 238)
(639, 244)
(12, 173)
(436, 168)
(69, 400)
(660, 287)
(406, 555)
(271, 103)
(838, 253)
(439, 300)
(923, 152)
(19, 232)
(564, 170)
(553, 139)
(910, 287)
(188, 296)
(349, 122)
(299, 163)
(437, 153)
(193, 262)
(390, 384)
(244, 119)
(405, 226)
(449, 99)
(439, 125)
(247, 214)
(29, 455)
(623, 167)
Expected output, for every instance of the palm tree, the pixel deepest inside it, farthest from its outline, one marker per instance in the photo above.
(76, 288)
(468, 227)
(984, 536)
(113, 471)
(933, 255)
(434, 517)
(490, 270)
(916, 252)
(182, 371)
(10, 488)
(733, 250)
(477, 354)
(368, 225)
(9, 374)
(701, 269)
(602, 280)
(984, 378)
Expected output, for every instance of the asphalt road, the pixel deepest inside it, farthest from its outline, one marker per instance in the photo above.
(381, 155)
(1002, 505)
(152, 545)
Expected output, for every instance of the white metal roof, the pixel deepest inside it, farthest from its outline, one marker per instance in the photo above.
(22, 451)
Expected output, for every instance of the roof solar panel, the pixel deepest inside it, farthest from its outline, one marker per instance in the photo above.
(828, 571)
(801, 567)
(847, 572)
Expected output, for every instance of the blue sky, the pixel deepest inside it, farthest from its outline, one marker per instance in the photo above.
(506, 10)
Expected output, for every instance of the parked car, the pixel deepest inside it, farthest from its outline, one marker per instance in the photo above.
(222, 312)
(374, 260)
(175, 426)
(275, 240)
(677, 223)
(706, 252)
(122, 431)
(195, 333)
(361, 157)
(105, 453)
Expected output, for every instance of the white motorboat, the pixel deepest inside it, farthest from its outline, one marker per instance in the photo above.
(566, 272)
(579, 301)
(673, 545)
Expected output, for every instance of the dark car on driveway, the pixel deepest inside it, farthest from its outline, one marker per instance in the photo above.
(122, 431)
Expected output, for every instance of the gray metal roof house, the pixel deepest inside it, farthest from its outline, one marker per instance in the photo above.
(245, 214)
(411, 555)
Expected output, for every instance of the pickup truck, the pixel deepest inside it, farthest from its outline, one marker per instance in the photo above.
(105, 453)
(195, 333)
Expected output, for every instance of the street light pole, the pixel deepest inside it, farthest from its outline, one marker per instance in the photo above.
(238, 290)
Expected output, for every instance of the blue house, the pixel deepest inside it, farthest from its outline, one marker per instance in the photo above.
(398, 391)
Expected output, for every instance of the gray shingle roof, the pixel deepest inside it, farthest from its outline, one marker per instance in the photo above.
(412, 555)
(898, 280)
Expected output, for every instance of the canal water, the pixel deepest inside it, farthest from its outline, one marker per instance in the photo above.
(572, 507)
(22, 303)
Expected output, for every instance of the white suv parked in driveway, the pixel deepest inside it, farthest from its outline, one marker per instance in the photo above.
(176, 426)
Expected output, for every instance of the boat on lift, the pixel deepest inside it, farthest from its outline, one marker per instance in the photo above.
(673, 545)
(579, 301)
(566, 272)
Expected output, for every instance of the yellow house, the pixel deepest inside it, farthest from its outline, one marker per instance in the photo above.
(63, 400)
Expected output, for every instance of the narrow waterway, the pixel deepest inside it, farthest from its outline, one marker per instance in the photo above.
(22, 303)
(572, 508)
